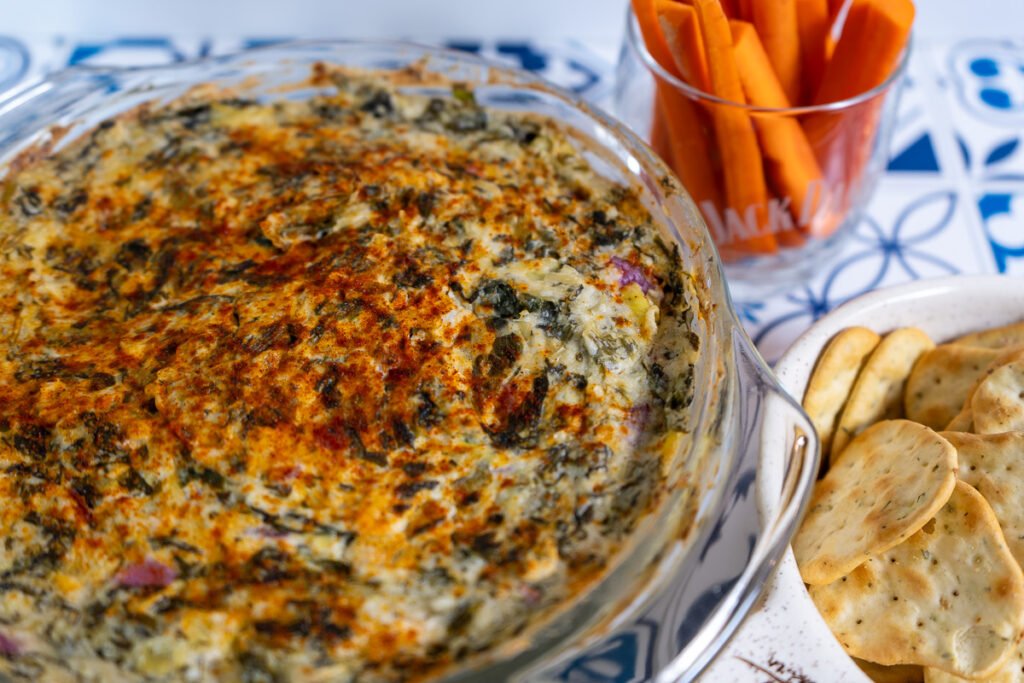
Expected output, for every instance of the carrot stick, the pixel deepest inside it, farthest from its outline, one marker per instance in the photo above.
(659, 134)
(729, 7)
(777, 25)
(745, 187)
(789, 159)
(744, 10)
(874, 35)
(834, 8)
(646, 12)
(689, 146)
(682, 33)
(815, 28)
(690, 143)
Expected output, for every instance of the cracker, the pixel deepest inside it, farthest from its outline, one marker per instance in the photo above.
(995, 337)
(941, 380)
(951, 597)
(963, 422)
(1011, 671)
(833, 378)
(904, 673)
(998, 402)
(994, 465)
(888, 483)
(878, 392)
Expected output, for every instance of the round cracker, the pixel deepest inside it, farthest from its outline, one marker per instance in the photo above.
(833, 378)
(994, 465)
(998, 403)
(963, 422)
(995, 337)
(941, 380)
(878, 392)
(951, 597)
(1011, 671)
(887, 484)
(904, 673)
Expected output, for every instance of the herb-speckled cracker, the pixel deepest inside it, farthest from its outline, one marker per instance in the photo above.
(1011, 671)
(888, 483)
(950, 597)
(878, 392)
(996, 337)
(833, 377)
(941, 380)
(998, 403)
(902, 673)
(994, 464)
(963, 422)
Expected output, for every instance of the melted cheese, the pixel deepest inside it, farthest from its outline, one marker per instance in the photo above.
(329, 390)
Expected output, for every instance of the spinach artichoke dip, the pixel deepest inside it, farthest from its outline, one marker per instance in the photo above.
(346, 388)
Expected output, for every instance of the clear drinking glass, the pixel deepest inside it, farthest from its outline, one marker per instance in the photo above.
(819, 163)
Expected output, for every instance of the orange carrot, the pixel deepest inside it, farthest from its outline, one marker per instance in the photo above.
(874, 36)
(744, 10)
(690, 148)
(729, 7)
(815, 28)
(690, 145)
(682, 33)
(834, 8)
(789, 159)
(647, 17)
(660, 135)
(745, 188)
(867, 52)
(777, 25)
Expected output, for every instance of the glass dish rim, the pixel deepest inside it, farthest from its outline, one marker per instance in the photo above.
(734, 604)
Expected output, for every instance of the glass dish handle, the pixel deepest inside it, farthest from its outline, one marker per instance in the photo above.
(775, 467)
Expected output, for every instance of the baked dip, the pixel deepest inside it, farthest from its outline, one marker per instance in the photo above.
(338, 389)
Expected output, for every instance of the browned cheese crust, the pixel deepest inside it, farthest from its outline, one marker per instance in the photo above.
(337, 389)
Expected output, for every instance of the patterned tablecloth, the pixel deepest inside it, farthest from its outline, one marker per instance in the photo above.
(952, 200)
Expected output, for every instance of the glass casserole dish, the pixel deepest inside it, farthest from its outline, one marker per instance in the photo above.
(692, 567)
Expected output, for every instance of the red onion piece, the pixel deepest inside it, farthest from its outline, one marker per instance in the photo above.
(146, 574)
(638, 416)
(9, 647)
(531, 594)
(631, 274)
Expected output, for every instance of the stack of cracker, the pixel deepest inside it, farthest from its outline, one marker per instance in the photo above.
(913, 543)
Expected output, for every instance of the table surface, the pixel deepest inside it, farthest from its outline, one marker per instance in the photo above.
(951, 201)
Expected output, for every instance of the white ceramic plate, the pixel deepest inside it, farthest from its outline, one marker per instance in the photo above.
(785, 638)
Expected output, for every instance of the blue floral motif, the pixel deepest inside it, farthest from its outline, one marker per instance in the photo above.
(913, 149)
(623, 658)
(989, 78)
(573, 68)
(875, 256)
(984, 67)
(157, 49)
(749, 311)
(14, 61)
(919, 156)
(529, 57)
(996, 207)
(989, 83)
